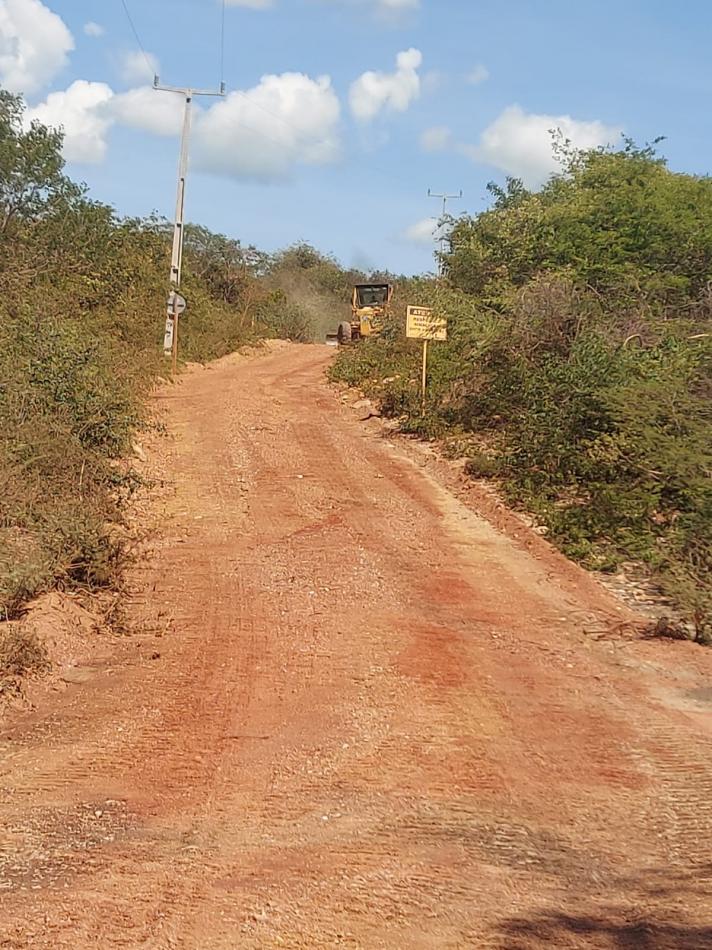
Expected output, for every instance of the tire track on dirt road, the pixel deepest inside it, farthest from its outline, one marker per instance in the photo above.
(374, 722)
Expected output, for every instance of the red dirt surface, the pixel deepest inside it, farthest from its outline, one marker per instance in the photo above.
(374, 719)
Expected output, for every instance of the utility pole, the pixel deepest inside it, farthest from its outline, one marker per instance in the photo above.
(175, 301)
(445, 199)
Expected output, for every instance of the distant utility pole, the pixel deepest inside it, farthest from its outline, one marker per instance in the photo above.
(445, 199)
(175, 302)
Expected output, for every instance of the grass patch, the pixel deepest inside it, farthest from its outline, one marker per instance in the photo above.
(21, 654)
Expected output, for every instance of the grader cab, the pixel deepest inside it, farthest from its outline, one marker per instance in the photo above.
(369, 306)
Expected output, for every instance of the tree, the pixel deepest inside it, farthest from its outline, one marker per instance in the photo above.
(31, 167)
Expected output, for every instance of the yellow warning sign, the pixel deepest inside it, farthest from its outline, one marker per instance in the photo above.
(422, 324)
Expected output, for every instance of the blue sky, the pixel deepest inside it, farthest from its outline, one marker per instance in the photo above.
(342, 113)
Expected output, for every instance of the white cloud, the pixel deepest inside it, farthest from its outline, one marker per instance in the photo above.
(81, 111)
(520, 143)
(390, 9)
(262, 133)
(478, 75)
(144, 108)
(94, 29)
(137, 67)
(424, 232)
(87, 110)
(34, 43)
(436, 139)
(396, 6)
(373, 92)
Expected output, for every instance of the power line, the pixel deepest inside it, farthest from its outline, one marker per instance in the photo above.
(275, 115)
(149, 64)
(298, 132)
(222, 44)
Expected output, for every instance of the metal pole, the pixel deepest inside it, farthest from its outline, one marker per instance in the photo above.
(445, 199)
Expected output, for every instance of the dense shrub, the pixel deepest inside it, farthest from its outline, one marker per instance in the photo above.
(82, 305)
(21, 652)
(311, 288)
(580, 350)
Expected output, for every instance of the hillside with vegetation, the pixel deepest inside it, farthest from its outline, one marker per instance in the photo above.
(577, 369)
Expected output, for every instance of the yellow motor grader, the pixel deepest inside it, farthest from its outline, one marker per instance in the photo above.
(369, 307)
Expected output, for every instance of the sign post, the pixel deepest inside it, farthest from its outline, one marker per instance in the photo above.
(422, 324)
(425, 377)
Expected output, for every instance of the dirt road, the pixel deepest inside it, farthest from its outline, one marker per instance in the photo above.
(372, 721)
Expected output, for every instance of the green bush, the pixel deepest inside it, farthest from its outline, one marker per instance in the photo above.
(479, 465)
(21, 653)
(82, 307)
(580, 349)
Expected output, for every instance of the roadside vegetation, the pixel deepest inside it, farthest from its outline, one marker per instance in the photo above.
(316, 285)
(82, 304)
(577, 369)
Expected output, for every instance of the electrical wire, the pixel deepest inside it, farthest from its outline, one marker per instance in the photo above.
(275, 115)
(389, 174)
(386, 173)
(149, 64)
(222, 45)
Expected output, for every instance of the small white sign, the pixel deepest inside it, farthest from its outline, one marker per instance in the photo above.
(168, 337)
